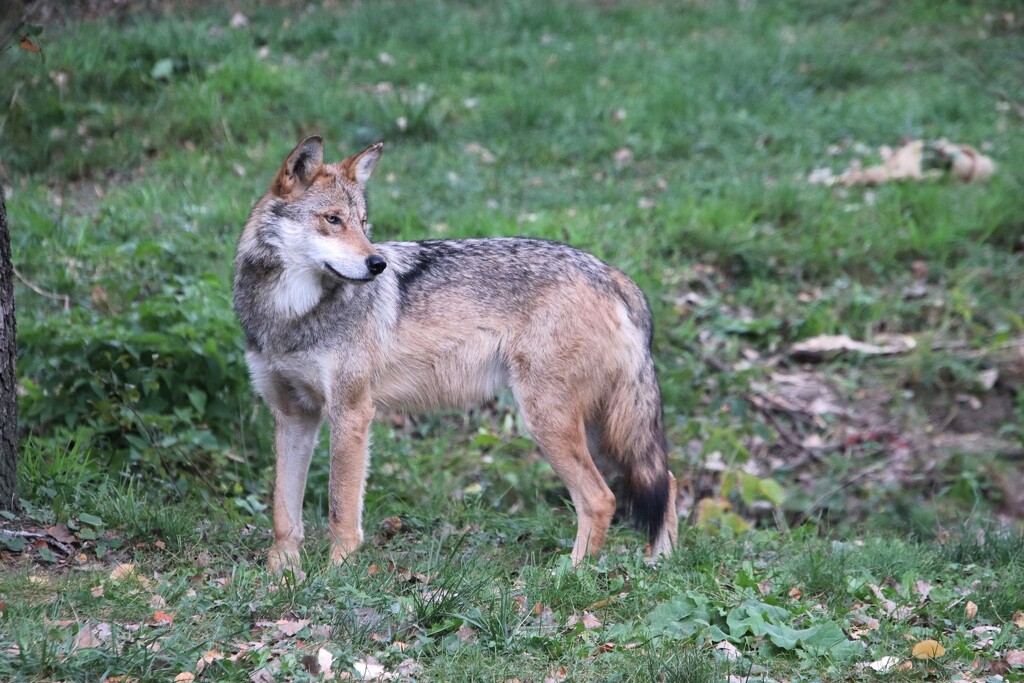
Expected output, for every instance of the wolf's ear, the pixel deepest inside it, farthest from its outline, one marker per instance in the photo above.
(359, 168)
(299, 169)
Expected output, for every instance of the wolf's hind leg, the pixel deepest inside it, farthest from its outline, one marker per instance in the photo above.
(294, 441)
(562, 439)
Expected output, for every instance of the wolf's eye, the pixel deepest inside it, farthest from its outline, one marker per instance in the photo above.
(333, 219)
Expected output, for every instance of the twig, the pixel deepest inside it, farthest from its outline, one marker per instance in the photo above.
(64, 548)
(42, 292)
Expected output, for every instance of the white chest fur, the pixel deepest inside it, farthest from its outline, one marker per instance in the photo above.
(287, 381)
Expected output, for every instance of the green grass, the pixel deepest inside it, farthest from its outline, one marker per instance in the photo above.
(133, 153)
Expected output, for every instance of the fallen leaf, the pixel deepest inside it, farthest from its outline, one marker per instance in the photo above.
(97, 591)
(795, 593)
(262, 675)
(60, 532)
(1015, 658)
(208, 658)
(391, 526)
(981, 630)
(928, 649)
(290, 627)
(829, 345)
(559, 674)
(162, 618)
(325, 659)
(729, 651)
(185, 677)
(368, 670)
(970, 610)
(885, 664)
(85, 638)
(1018, 619)
(122, 571)
(26, 44)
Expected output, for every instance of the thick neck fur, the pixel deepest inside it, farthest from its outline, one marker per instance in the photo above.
(272, 296)
(296, 291)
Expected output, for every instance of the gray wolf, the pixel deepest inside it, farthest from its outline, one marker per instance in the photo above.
(337, 326)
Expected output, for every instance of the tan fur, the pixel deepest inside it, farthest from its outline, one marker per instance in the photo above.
(557, 326)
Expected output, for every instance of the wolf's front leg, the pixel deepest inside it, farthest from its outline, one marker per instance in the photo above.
(350, 443)
(294, 441)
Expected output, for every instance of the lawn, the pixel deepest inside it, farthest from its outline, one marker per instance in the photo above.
(845, 516)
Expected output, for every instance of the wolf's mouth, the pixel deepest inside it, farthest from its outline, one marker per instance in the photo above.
(330, 269)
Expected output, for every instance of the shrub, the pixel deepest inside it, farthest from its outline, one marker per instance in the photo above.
(162, 387)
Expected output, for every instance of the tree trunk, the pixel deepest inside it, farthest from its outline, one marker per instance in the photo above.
(8, 382)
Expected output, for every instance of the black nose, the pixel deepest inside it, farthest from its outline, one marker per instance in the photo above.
(376, 264)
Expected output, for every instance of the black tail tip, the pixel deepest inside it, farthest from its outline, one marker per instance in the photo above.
(646, 501)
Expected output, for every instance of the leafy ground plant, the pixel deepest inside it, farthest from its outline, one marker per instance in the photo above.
(854, 515)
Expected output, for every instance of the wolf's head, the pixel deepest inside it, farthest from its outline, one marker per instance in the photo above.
(319, 213)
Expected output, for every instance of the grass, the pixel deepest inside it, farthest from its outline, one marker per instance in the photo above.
(673, 140)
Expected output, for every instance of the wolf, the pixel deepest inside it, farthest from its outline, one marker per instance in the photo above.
(337, 326)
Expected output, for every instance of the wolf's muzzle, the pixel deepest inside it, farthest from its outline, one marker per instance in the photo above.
(376, 264)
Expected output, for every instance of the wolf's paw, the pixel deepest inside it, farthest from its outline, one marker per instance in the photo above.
(340, 550)
(284, 561)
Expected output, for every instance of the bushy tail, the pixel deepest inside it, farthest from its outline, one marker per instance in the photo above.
(634, 437)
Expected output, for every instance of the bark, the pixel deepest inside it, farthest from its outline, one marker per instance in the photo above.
(8, 381)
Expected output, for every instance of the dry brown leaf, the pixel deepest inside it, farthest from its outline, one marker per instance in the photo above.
(160, 618)
(559, 674)
(86, 638)
(262, 675)
(1015, 658)
(122, 571)
(829, 345)
(26, 44)
(965, 162)
(185, 677)
(928, 649)
(290, 627)
(60, 532)
(1018, 619)
(588, 620)
(208, 658)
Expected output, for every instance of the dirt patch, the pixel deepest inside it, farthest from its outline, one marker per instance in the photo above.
(893, 437)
